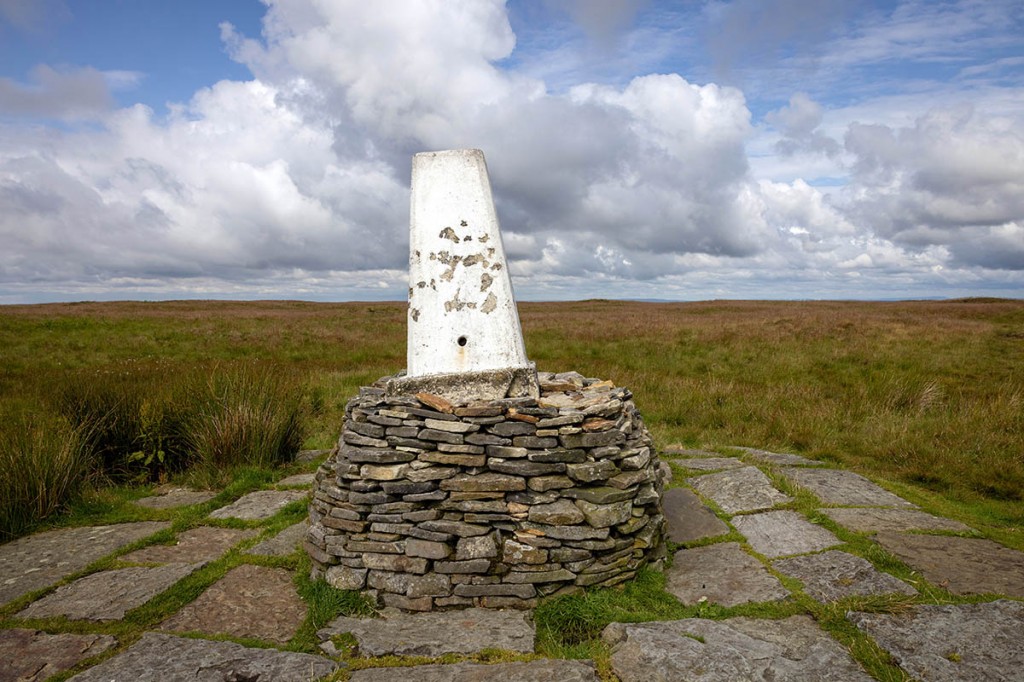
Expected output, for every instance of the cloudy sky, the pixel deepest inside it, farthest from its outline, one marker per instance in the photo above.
(680, 150)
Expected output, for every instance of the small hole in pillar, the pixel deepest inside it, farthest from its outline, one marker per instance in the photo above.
(463, 340)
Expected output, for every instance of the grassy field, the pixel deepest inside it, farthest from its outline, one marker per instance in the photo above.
(927, 395)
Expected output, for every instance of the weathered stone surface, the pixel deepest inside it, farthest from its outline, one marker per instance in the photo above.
(599, 494)
(874, 520)
(257, 505)
(547, 670)
(250, 601)
(36, 561)
(194, 546)
(486, 482)
(723, 574)
(284, 543)
(835, 486)
(298, 480)
(708, 463)
(739, 490)
(961, 565)
(834, 575)
(688, 518)
(346, 578)
(33, 656)
(604, 515)
(478, 547)
(436, 634)
(780, 458)
(952, 642)
(165, 658)
(780, 533)
(107, 595)
(789, 650)
(560, 513)
(176, 497)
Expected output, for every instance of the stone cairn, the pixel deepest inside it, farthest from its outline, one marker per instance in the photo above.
(430, 505)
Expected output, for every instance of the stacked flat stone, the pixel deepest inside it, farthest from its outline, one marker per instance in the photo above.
(428, 505)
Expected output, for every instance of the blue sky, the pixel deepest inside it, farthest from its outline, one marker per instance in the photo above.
(669, 150)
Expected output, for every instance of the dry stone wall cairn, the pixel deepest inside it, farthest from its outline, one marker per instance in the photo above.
(428, 505)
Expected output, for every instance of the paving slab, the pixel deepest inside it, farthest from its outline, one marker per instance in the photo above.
(834, 575)
(436, 633)
(194, 546)
(722, 574)
(165, 658)
(739, 490)
(688, 518)
(688, 452)
(37, 561)
(284, 543)
(779, 533)
(258, 505)
(835, 486)
(873, 520)
(176, 497)
(33, 656)
(708, 463)
(107, 595)
(793, 649)
(297, 480)
(547, 670)
(250, 601)
(952, 642)
(960, 565)
(780, 458)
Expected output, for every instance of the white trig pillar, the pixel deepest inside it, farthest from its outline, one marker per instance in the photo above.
(464, 337)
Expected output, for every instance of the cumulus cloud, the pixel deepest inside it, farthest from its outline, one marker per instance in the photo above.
(59, 93)
(798, 124)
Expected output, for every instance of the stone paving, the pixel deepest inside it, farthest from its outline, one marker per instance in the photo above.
(731, 556)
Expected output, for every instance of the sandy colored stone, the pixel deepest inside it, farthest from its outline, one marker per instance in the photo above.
(176, 497)
(261, 504)
(198, 545)
(835, 486)
(304, 480)
(250, 601)
(546, 670)
(873, 520)
(33, 656)
(961, 565)
(284, 543)
(739, 490)
(834, 575)
(36, 561)
(793, 649)
(784, 532)
(435, 634)
(688, 518)
(708, 463)
(107, 595)
(165, 658)
(952, 642)
(722, 574)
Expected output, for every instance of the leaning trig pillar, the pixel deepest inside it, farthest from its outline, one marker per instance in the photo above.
(464, 338)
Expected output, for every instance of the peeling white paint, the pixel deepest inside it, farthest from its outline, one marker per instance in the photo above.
(466, 319)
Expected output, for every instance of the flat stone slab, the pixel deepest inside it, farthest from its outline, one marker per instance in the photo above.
(164, 658)
(176, 497)
(250, 601)
(960, 565)
(33, 656)
(834, 575)
(874, 520)
(723, 574)
(739, 490)
(708, 463)
(780, 458)
(195, 546)
(548, 670)
(793, 649)
(688, 518)
(779, 533)
(284, 543)
(952, 642)
(107, 595)
(688, 452)
(437, 633)
(297, 480)
(835, 486)
(37, 561)
(258, 505)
